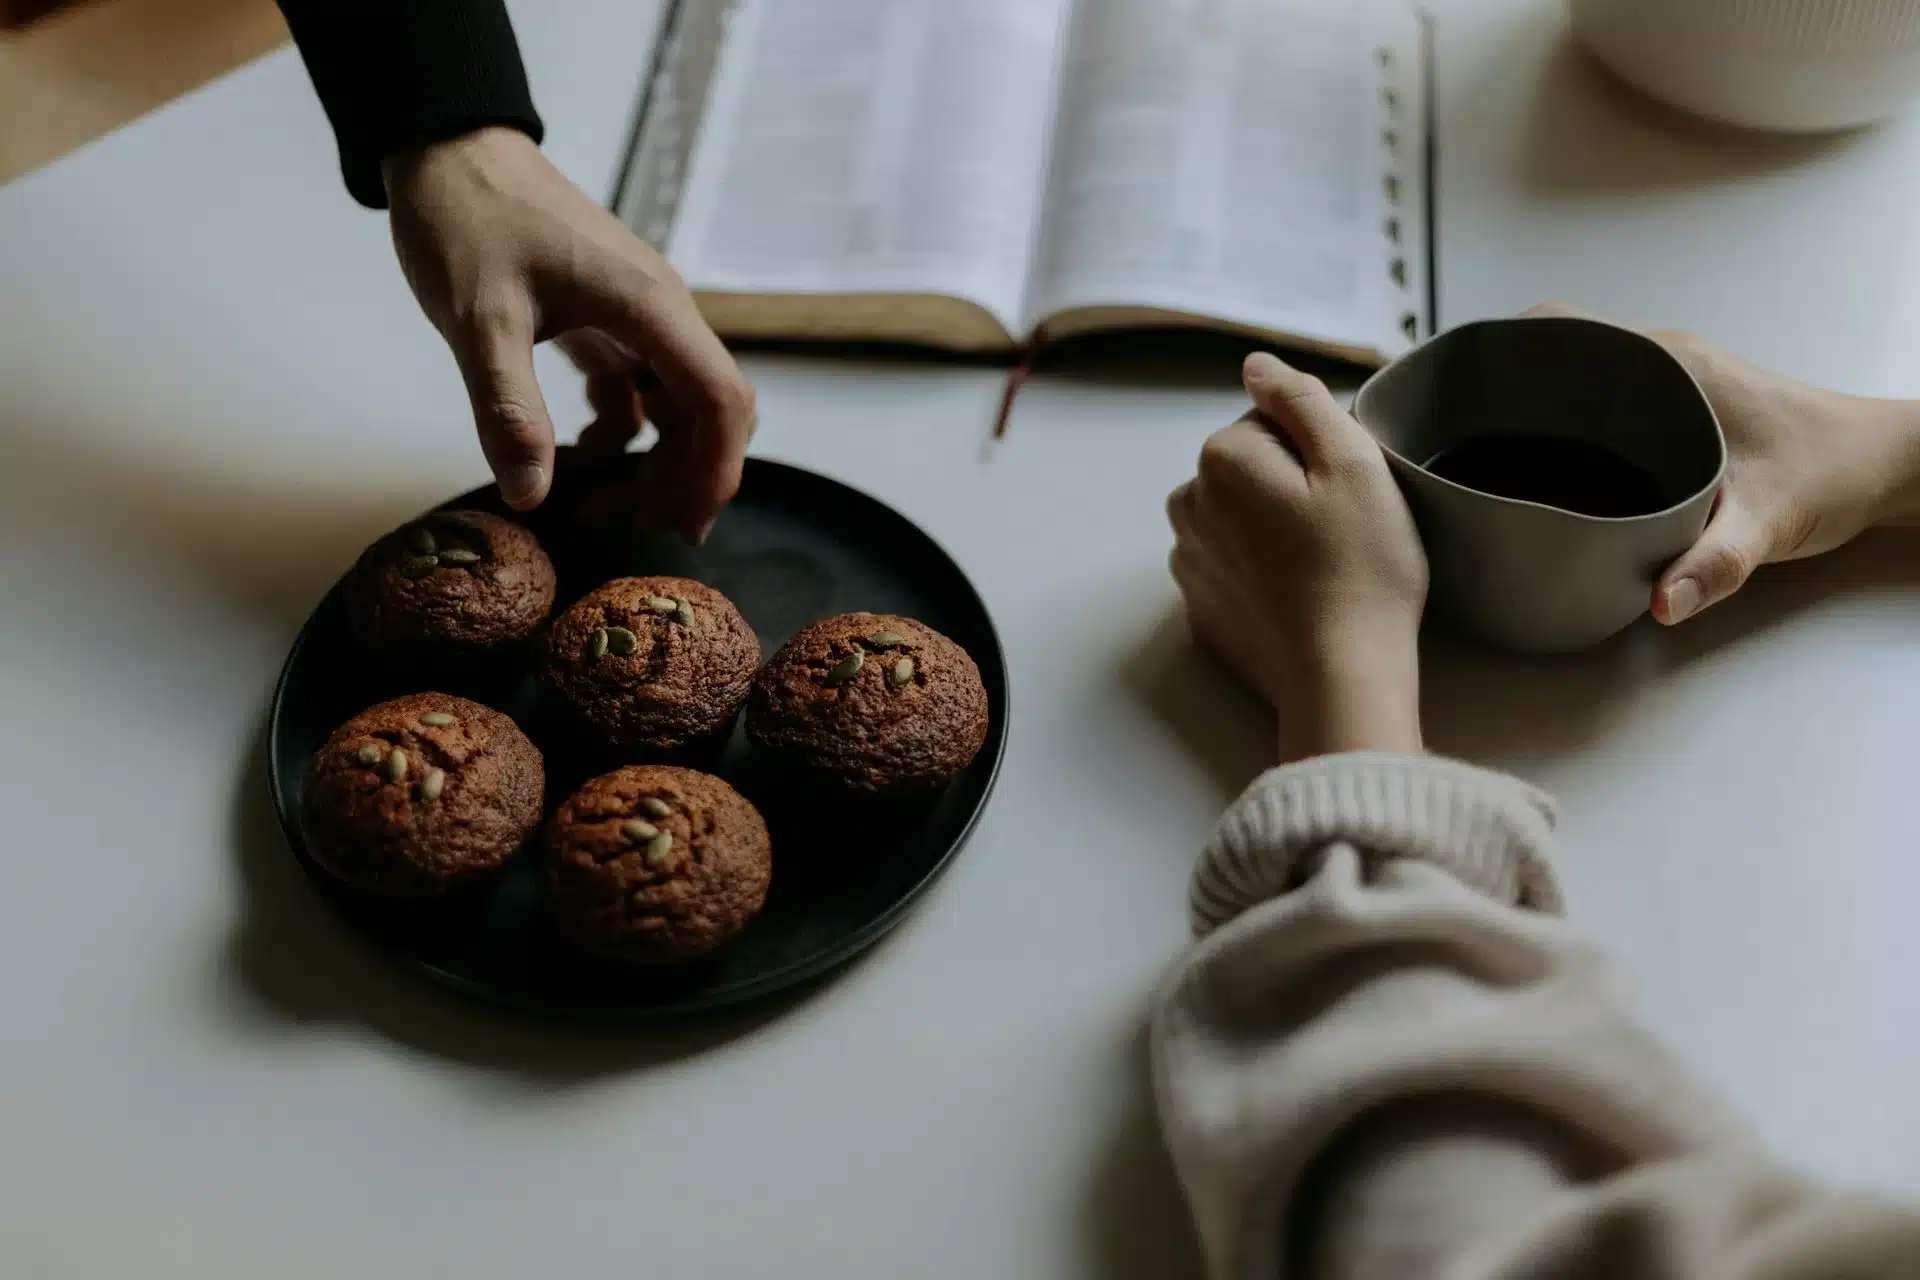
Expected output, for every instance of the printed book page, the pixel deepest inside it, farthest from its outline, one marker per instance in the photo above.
(1245, 160)
(882, 147)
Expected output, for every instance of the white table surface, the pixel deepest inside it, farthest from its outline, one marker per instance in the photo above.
(214, 389)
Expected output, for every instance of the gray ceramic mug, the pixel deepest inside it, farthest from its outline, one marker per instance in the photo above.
(1519, 574)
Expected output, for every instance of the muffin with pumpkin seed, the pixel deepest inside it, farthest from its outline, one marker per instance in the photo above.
(453, 590)
(651, 667)
(422, 795)
(654, 865)
(870, 703)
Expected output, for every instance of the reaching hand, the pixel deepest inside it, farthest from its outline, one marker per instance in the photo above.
(1807, 470)
(1300, 565)
(503, 252)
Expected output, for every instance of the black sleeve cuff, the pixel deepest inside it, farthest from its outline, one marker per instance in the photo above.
(397, 74)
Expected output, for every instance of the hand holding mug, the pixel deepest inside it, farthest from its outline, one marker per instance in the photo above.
(1300, 566)
(1807, 471)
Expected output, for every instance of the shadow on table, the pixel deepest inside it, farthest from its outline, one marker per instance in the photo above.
(1186, 359)
(1213, 715)
(271, 544)
(1587, 132)
(1134, 1216)
(293, 961)
(1480, 704)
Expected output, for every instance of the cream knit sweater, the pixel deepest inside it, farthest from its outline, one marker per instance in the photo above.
(1388, 1058)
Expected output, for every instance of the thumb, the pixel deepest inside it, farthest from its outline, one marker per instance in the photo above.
(516, 435)
(1300, 408)
(1733, 545)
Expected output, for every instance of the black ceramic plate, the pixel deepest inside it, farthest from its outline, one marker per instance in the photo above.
(793, 547)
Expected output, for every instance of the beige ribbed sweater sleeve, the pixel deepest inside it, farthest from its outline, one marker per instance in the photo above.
(1388, 1058)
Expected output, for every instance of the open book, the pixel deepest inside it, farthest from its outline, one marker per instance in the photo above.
(986, 175)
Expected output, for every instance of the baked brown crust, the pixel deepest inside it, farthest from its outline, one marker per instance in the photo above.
(402, 833)
(654, 864)
(870, 730)
(416, 595)
(643, 678)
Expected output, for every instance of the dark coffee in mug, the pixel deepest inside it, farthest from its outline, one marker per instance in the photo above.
(1554, 471)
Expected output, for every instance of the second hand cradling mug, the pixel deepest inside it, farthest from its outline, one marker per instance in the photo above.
(1549, 391)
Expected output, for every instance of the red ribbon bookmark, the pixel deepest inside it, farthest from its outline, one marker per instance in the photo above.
(1016, 379)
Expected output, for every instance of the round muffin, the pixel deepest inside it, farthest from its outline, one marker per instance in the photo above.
(454, 587)
(652, 665)
(653, 864)
(422, 795)
(870, 702)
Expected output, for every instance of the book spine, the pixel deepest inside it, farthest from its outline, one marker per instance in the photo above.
(673, 98)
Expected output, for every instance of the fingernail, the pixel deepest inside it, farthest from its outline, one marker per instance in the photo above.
(521, 483)
(698, 535)
(1683, 597)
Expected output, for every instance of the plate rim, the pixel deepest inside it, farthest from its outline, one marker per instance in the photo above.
(843, 952)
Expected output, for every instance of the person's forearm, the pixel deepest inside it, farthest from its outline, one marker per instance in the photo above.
(395, 75)
(1903, 418)
(1387, 1058)
(1360, 693)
